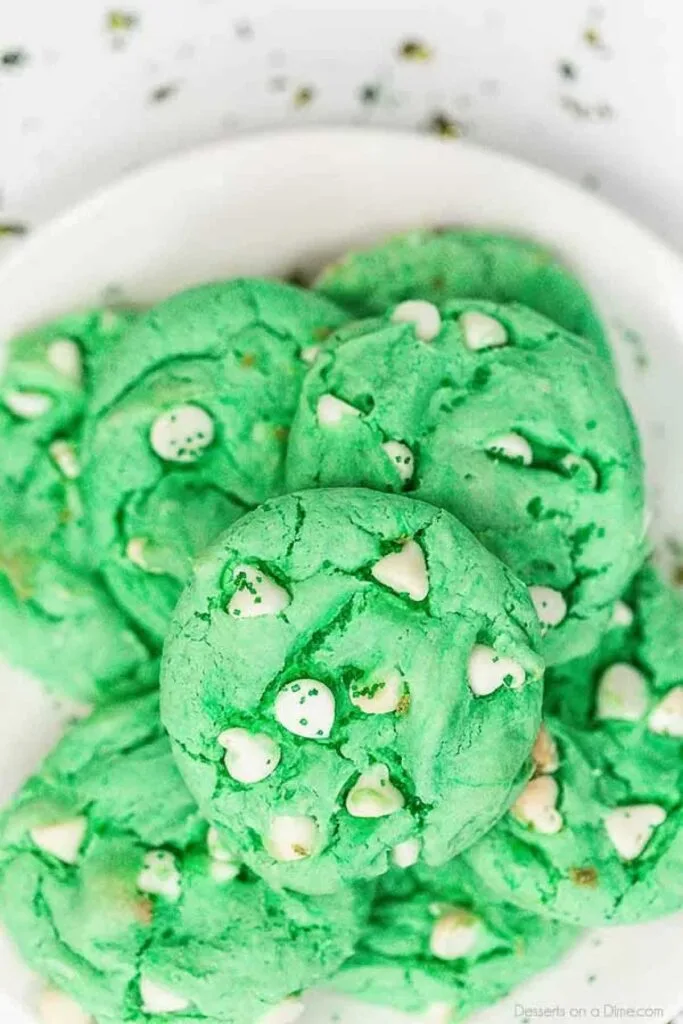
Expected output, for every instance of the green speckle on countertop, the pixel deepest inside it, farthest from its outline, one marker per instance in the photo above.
(369, 94)
(14, 58)
(12, 229)
(416, 50)
(303, 96)
(162, 93)
(445, 126)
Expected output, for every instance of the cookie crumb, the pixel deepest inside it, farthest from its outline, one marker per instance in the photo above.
(587, 877)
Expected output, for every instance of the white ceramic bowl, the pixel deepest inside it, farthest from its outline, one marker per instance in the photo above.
(272, 203)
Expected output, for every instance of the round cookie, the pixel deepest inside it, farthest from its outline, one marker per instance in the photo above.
(597, 837)
(439, 943)
(350, 678)
(437, 266)
(116, 893)
(189, 430)
(57, 619)
(501, 417)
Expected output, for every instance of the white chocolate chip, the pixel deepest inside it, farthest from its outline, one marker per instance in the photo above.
(544, 753)
(405, 854)
(438, 1013)
(630, 828)
(575, 465)
(249, 756)
(136, 552)
(28, 405)
(224, 871)
(158, 999)
(511, 446)
(64, 456)
(550, 605)
(182, 434)
(64, 356)
(404, 571)
(423, 315)
(292, 837)
(310, 354)
(305, 707)
(667, 717)
(256, 594)
(487, 671)
(482, 331)
(63, 839)
(378, 695)
(374, 795)
(224, 865)
(160, 875)
(454, 933)
(402, 459)
(286, 1012)
(55, 1007)
(330, 411)
(537, 806)
(622, 616)
(622, 694)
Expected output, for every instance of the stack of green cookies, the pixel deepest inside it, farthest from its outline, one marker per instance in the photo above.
(352, 580)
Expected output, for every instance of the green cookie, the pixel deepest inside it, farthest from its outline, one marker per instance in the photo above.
(350, 678)
(438, 941)
(597, 838)
(190, 428)
(501, 417)
(115, 893)
(441, 265)
(57, 619)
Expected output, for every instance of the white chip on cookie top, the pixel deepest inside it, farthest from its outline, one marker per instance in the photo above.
(137, 552)
(182, 433)
(28, 405)
(631, 828)
(250, 757)
(438, 1013)
(292, 837)
(374, 795)
(64, 356)
(454, 933)
(380, 694)
(62, 839)
(424, 316)
(487, 670)
(309, 354)
(622, 693)
(256, 594)
(550, 605)
(157, 998)
(622, 616)
(511, 446)
(401, 457)
(330, 411)
(482, 331)
(160, 875)
(405, 854)
(577, 465)
(305, 707)
(404, 571)
(225, 866)
(666, 718)
(537, 806)
(65, 458)
(55, 1007)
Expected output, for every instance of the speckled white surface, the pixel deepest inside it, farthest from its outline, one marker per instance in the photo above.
(589, 90)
